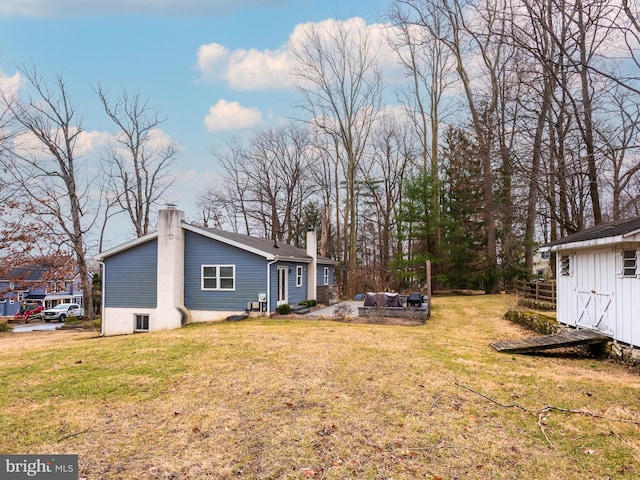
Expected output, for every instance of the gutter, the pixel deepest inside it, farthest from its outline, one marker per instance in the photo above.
(102, 307)
(275, 260)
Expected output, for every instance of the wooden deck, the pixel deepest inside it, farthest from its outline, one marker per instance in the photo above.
(570, 338)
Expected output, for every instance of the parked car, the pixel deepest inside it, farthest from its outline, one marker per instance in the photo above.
(62, 311)
(29, 311)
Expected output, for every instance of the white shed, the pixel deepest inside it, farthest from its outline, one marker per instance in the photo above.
(598, 280)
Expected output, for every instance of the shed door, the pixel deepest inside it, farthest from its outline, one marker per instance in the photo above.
(595, 281)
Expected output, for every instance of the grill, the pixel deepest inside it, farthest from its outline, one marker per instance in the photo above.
(415, 300)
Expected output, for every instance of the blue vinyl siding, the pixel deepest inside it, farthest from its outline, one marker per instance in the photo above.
(250, 275)
(320, 274)
(296, 294)
(131, 277)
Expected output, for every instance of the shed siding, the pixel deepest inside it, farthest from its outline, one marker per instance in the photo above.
(596, 296)
(130, 279)
(250, 275)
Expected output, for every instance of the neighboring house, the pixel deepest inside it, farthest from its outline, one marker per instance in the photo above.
(598, 280)
(35, 284)
(184, 273)
(542, 263)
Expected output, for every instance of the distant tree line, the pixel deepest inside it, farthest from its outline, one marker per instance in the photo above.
(520, 124)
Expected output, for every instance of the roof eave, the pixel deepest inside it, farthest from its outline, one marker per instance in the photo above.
(126, 246)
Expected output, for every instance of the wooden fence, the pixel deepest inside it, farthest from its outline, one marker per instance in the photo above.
(539, 290)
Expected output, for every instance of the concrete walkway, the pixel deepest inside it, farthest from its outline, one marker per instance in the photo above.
(329, 311)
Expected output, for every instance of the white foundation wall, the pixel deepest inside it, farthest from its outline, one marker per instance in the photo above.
(122, 321)
(203, 316)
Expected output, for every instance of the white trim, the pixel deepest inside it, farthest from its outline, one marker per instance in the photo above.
(218, 278)
(127, 246)
(299, 274)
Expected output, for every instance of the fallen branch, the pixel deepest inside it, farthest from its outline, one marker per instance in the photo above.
(544, 410)
(75, 434)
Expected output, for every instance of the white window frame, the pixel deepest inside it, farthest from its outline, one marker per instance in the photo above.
(140, 316)
(299, 276)
(218, 278)
(326, 275)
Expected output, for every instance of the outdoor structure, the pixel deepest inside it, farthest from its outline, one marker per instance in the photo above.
(184, 273)
(389, 304)
(598, 280)
(35, 284)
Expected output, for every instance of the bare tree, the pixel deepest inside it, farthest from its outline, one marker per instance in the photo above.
(48, 172)
(430, 71)
(341, 88)
(140, 161)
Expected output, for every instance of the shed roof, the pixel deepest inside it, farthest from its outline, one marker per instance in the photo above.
(601, 234)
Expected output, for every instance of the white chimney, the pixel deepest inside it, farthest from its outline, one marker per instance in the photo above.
(170, 287)
(312, 271)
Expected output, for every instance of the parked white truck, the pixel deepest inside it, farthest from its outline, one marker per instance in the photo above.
(62, 311)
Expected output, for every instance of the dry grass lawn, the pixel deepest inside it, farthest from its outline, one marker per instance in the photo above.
(296, 399)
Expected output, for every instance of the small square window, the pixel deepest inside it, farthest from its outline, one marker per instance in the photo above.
(629, 263)
(142, 322)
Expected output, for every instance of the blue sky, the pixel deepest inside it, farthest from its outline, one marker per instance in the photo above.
(187, 56)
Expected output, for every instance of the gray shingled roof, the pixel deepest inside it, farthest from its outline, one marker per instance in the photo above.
(603, 230)
(268, 246)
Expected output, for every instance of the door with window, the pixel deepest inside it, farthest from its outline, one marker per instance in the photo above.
(283, 290)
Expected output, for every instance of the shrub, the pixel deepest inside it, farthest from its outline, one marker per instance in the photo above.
(5, 327)
(73, 320)
(309, 303)
(534, 321)
(284, 309)
(343, 311)
(536, 304)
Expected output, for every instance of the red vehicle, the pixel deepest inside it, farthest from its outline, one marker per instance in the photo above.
(29, 311)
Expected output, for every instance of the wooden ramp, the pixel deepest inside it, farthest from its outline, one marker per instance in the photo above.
(569, 338)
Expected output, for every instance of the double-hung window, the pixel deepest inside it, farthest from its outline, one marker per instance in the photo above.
(218, 277)
(326, 275)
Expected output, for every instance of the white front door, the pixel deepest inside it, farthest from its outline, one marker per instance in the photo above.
(283, 290)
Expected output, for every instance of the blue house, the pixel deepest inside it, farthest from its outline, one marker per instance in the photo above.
(185, 273)
(36, 284)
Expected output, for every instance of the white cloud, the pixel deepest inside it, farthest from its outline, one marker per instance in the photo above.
(92, 8)
(245, 69)
(228, 116)
(9, 86)
(254, 69)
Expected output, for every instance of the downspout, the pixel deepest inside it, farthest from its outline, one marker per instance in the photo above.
(102, 307)
(275, 260)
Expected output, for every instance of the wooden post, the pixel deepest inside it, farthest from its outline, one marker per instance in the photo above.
(428, 280)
